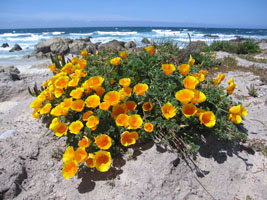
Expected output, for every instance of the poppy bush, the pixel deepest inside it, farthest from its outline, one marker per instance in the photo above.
(106, 102)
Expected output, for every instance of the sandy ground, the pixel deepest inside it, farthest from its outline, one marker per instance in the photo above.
(30, 166)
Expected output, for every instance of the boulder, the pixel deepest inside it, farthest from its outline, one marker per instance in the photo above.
(77, 45)
(130, 44)
(16, 47)
(145, 41)
(55, 45)
(9, 73)
(4, 45)
(113, 45)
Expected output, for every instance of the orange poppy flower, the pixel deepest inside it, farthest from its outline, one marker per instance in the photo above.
(84, 142)
(58, 92)
(150, 50)
(95, 81)
(102, 160)
(189, 110)
(104, 106)
(75, 127)
(119, 109)
(235, 118)
(60, 129)
(135, 121)
(122, 120)
(148, 127)
(168, 69)
(238, 110)
(103, 141)
(190, 82)
(99, 91)
(129, 138)
(219, 79)
(168, 110)
(57, 111)
(62, 82)
(191, 61)
(77, 105)
(84, 53)
(46, 109)
(140, 88)
(69, 154)
(92, 121)
(130, 105)
(112, 98)
(86, 115)
(70, 168)
(80, 154)
(77, 93)
(207, 118)
(148, 106)
(92, 101)
(123, 54)
(199, 97)
(184, 69)
(90, 160)
(184, 96)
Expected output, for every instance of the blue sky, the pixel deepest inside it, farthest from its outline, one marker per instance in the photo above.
(77, 13)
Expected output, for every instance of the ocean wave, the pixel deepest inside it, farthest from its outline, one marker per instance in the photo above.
(116, 33)
(57, 33)
(81, 34)
(14, 34)
(33, 37)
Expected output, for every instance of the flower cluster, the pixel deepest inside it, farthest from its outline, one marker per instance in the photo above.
(102, 102)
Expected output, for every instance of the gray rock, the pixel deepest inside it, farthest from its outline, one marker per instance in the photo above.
(7, 134)
(113, 45)
(4, 45)
(9, 73)
(55, 45)
(16, 47)
(130, 44)
(11, 69)
(145, 41)
(77, 45)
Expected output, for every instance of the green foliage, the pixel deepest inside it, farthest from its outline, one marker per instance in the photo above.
(205, 60)
(234, 47)
(252, 91)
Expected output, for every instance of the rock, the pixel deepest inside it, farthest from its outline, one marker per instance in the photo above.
(209, 35)
(113, 45)
(145, 41)
(4, 45)
(77, 45)
(12, 174)
(16, 47)
(130, 44)
(7, 134)
(55, 45)
(11, 69)
(9, 73)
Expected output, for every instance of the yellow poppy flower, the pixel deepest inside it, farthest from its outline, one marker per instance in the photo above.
(189, 110)
(62, 82)
(125, 82)
(238, 110)
(191, 61)
(59, 92)
(84, 53)
(67, 103)
(199, 97)
(207, 118)
(95, 82)
(115, 61)
(60, 129)
(77, 93)
(129, 138)
(237, 119)
(74, 82)
(135, 121)
(219, 79)
(70, 168)
(69, 154)
(190, 82)
(77, 105)
(148, 127)
(102, 160)
(184, 69)
(52, 67)
(92, 101)
(112, 98)
(45, 109)
(86, 115)
(82, 64)
(140, 88)
(168, 110)
(75, 127)
(184, 96)
(103, 141)
(92, 121)
(230, 89)
(168, 69)
(57, 111)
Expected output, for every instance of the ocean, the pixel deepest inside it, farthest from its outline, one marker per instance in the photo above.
(27, 38)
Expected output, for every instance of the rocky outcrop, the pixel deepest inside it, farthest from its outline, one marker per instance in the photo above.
(130, 44)
(9, 73)
(113, 45)
(145, 41)
(4, 45)
(16, 47)
(77, 45)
